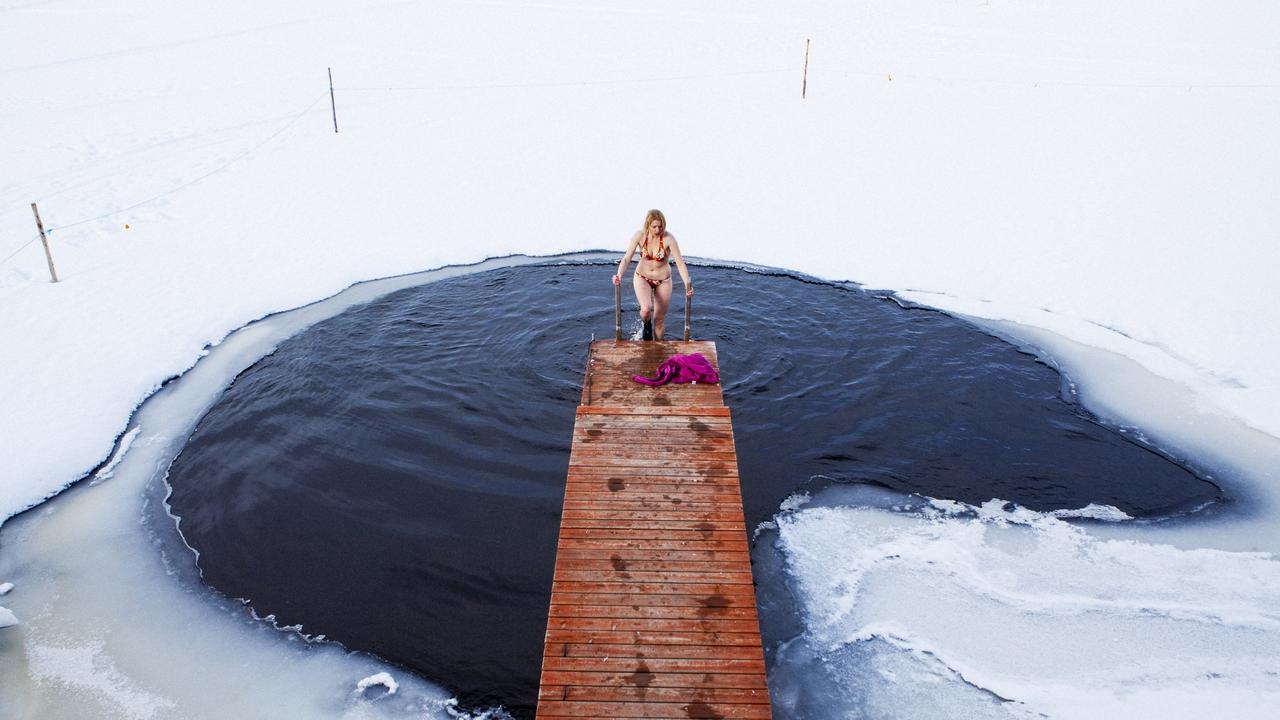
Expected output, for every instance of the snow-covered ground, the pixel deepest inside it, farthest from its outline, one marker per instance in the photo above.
(1108, 172)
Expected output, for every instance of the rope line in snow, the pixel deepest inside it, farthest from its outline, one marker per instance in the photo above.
(20, 249)
(943, 79)
(567, 83)
(838, 72)
(176, 188)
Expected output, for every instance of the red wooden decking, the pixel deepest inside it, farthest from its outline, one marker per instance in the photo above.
(653, 612)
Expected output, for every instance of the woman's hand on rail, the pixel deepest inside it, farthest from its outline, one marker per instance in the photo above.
(617, 280)
(688, 291)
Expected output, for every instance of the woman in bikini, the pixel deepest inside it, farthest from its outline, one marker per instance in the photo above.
(652, 279)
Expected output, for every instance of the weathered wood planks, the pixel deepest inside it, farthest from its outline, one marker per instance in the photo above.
(653, 609)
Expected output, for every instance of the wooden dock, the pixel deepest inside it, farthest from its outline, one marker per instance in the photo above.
(653, 612)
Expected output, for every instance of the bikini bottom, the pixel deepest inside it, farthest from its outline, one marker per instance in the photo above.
(655, 284)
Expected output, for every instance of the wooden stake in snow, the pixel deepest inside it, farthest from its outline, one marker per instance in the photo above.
(805, 86)
(44, 239)
(332, 103)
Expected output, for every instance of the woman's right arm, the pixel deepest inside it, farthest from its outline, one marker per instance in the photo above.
(626, 258)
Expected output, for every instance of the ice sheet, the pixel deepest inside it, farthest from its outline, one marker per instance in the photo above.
(1034, 612)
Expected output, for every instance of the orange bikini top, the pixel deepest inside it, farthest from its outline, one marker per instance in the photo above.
(644, 251)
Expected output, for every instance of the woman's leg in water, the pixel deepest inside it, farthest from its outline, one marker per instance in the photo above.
(644, 294)
(662, 301)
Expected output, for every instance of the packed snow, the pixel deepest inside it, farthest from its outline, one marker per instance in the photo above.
(1096, 181)
(382, 679)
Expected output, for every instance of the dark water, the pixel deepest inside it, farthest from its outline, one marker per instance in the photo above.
(392, 477)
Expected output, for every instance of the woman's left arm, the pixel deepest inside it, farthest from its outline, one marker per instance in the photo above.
(684, 271)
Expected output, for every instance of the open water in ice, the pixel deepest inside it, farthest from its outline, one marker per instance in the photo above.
(391, 477)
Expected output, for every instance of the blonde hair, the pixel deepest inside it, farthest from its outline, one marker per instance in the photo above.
(649, 217)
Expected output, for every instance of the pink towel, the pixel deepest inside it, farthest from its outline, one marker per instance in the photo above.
(682, 369)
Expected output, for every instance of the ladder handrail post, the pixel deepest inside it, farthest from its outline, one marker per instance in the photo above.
(617, 311)
(688, 305)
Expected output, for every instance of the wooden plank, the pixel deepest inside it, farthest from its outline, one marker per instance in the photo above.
(646, 440)
(608, 481)
(671, 540)
(656, 494)
(662, 544)
(655, 491)
(641, 496)
(658, 429)
(672, 474)
(698, 521)
(626, 454)
(664, 578)
(666, 513)
(697, 530)
(747, 626)
(652, 489)
(657, 397)
(572, 553)
(612, 482)
(610, 502)
(689, 417)
(708, 413)
(707, 491)
(672, 427)
(648, 693)
(634, 572)
(607, 585)
(692, 638)
(652, 679)
(681, 436)
(635, 394)
(625, 486)
(628, 663)
(634, 426)
(630, 426)
(652, 446)
(702, 527)
(580, 710)
(657, 426)
(661, 612)
(638, 465)
(588, 649)
(627, 572)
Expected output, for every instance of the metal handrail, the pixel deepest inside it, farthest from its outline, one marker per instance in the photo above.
(688, 305)
(617, 311)
(591, 349)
